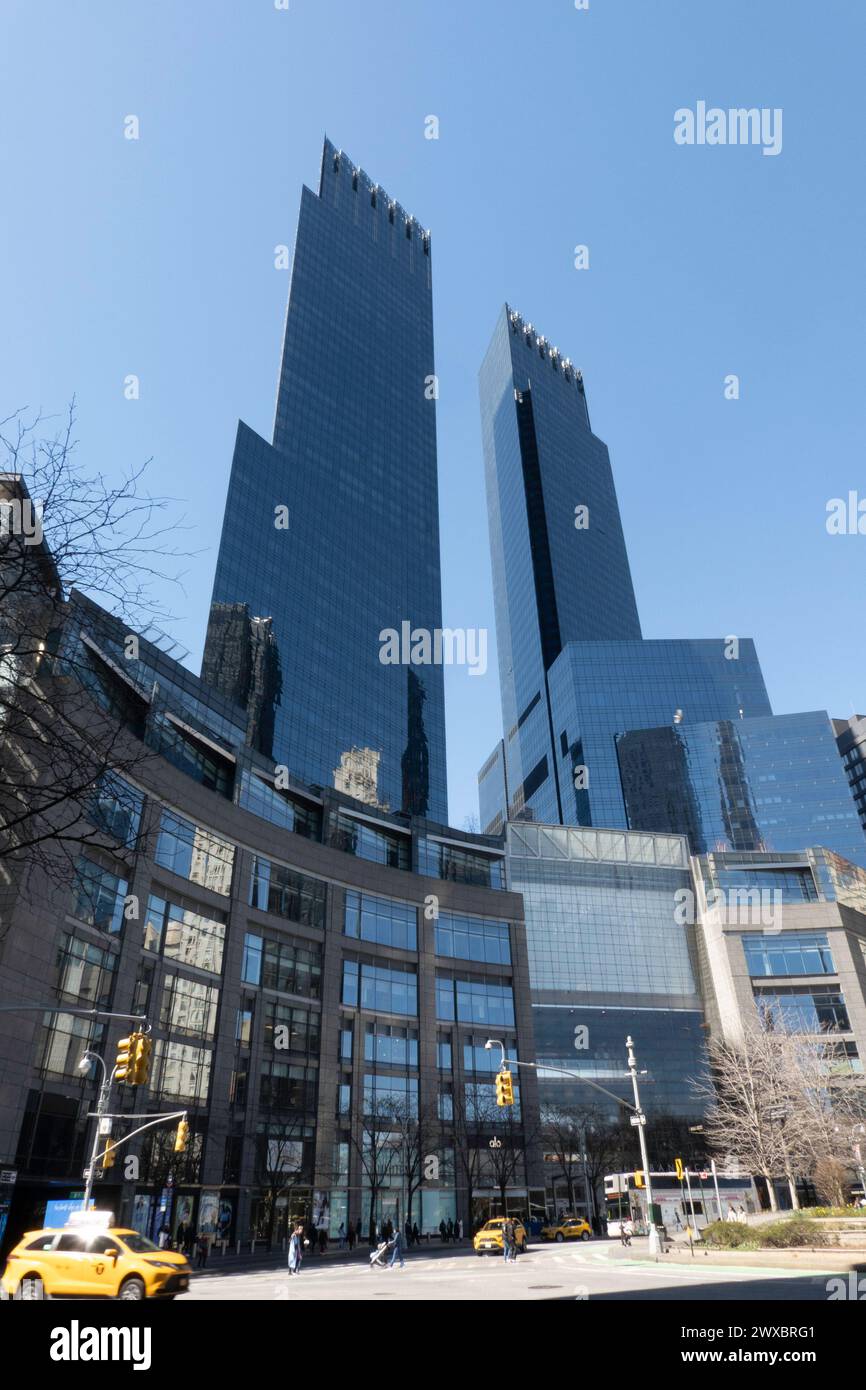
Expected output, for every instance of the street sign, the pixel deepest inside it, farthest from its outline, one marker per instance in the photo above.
(8, 1174)
(637, 1119)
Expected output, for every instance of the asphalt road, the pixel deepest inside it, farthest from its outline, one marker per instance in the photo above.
(587, 1272)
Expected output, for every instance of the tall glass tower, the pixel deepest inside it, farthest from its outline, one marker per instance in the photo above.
(331, 532)
(574, 670)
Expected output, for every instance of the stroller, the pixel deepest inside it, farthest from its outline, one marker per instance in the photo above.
(377, 1259)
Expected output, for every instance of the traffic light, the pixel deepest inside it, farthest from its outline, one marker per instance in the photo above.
(678, 1166)
(504, 1088)
(638, 1178)
(181, 1139)
(124, 1060)
(108, 1156)
(141, 1060)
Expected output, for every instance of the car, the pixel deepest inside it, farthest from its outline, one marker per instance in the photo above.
(488, 1241)
(567, 1228)
(95, 1262)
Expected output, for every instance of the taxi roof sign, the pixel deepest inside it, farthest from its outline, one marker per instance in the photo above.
(100, 1219)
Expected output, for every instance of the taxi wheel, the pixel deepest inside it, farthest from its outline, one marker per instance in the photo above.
(560, 1237)
(132, 1288)
(584, 1235)
(30, 1287)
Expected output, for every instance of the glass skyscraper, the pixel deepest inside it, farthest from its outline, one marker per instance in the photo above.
(743, 784)
(574, 670)
(331, 531)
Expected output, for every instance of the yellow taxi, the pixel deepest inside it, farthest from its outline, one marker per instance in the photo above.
(567, 1228)
(92, 1262)
(488, 1241)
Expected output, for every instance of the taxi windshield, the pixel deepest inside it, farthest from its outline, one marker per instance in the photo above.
(139, 1245)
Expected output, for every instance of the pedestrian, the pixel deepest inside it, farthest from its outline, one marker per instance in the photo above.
(407, 1232)
(509, 1246)
(443, 1230)
(459, 1229)
(352, 1236)
(416, 1234)
(296, 1249)
(450, 1229)
(162, 1239)
(312, 1238)
(341, 1236)
(627, 1231)
(202, 1251)
(397, 1250)
(180, 1236)
(323, 1241)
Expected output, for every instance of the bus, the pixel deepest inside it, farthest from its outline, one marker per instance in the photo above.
(712, 1198)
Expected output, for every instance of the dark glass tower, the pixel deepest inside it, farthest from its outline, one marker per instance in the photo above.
(574, 670)
(332, 530)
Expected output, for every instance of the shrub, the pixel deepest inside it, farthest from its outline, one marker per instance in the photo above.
(791, 1232)
(728, 1235)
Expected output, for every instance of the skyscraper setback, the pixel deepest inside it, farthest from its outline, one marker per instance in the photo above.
(601, 726)
(332, 530)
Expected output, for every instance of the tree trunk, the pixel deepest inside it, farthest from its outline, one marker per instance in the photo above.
(771, 1193)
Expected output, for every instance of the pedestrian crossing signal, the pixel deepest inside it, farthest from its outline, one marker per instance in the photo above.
(504, 1088)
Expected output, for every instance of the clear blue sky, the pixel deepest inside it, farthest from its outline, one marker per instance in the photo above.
(556, 128)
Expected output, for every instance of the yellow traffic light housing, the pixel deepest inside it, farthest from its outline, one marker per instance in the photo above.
(124, 1061)
(181, 1139)
(639, 1178)
(504, 1088)
(678, 1166)
(141, 1060)
(108, 1156)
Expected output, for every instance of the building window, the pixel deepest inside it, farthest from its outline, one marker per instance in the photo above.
(473, 938)
(251, 965)
(438, 860)
(390, 1095)
(803, 1009)
(184, 935)
(290, 1028)
(366, 841)
(85, 972)
(278, 807)
(286, 893)
(346, 1044)
(244, 1027)
(181, 1071)
(380, 988)
(382, 920)
(475, 1001)
(287, 1086)
(443, 1052)
(194, 853)
(293, 967)
(188, 1006)
(115, 808)
(789, 953)
(478, 1058)
(99, 896)
(391, 1045)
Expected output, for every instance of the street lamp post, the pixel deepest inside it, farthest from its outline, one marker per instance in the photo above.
(101, 1110)
(640, 1119)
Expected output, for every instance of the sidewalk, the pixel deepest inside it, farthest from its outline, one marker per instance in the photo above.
(829, 1260)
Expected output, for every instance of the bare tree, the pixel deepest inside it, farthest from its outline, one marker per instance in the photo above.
(376, 1142)
(749, 1100)
(280, 1165)
(413, 1131)
(64, 530)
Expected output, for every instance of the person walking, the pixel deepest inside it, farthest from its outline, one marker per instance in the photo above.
(341, 1236)
(397, 1250)
(450, 1230)
(352, 1236)
(458, 1230)
(443, 1231)
(627, 1231)
(508, 1241)
(416, 1234)
(202, 1251)
(296, 1249)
